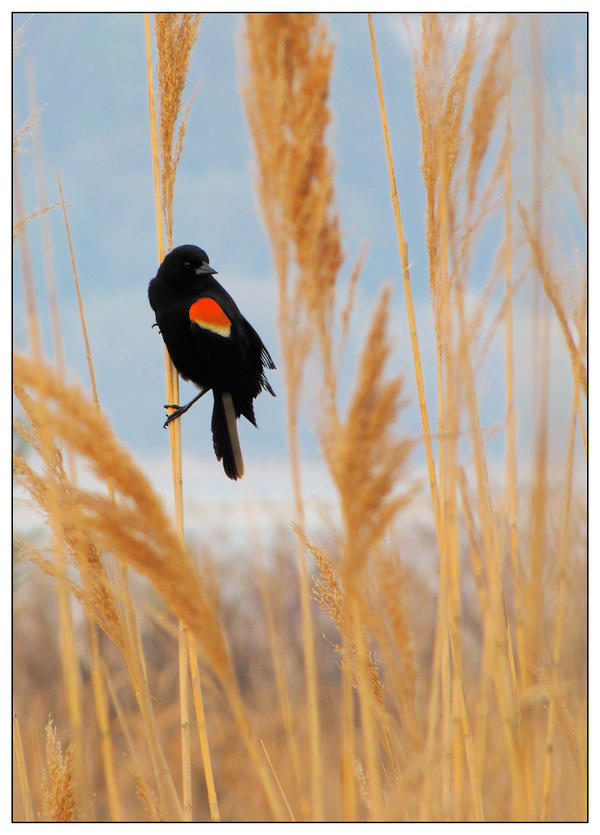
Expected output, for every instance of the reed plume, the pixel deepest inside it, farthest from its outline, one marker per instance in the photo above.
(289, 61)
(175, 35)
(287, 109)
(58, 788)
(365, 457)
(135, 526)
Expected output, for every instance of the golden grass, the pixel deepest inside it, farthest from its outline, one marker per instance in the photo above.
(58, 790)
(289, 65)
(118, 526)
(414, 339)
(20, 235)
(21, 771)
(175, 35)
(415, 671)
(112, 526)
(88, 352)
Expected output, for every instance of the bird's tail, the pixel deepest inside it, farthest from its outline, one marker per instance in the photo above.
(225, 435)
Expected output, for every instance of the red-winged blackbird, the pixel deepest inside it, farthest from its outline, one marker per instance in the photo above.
(211, 344)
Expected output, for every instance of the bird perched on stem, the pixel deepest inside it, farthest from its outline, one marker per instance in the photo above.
(211, 344)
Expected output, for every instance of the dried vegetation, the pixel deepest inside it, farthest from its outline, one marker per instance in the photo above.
(430, 672)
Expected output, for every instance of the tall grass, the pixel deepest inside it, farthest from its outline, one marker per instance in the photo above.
(450, 683)
(175, 36)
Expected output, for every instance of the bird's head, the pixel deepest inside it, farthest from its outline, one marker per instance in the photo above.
(186, 261)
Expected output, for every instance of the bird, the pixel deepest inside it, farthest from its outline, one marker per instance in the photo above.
(211, 344)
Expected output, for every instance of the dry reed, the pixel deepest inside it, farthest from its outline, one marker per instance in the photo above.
(288, 113)
(407, 287)
(457, 677)
(365, 458)
(21, 770)
(58, 789)
(175, 35)
(135, 526)
(289, 62)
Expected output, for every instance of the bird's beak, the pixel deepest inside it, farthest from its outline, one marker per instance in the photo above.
(204, 268)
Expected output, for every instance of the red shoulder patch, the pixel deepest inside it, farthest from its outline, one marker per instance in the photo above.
(208, 314)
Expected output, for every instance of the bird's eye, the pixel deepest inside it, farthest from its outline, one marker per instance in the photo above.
(187, 264)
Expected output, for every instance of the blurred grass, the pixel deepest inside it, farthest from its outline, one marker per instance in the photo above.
(380, 668)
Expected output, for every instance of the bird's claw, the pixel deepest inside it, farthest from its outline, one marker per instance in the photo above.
(174, 415)
(181, 410)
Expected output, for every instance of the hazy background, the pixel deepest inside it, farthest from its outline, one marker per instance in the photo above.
(90, 78)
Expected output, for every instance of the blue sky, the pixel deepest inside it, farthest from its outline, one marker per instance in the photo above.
(91, 79)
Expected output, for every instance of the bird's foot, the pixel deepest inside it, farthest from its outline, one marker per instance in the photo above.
(179, 410)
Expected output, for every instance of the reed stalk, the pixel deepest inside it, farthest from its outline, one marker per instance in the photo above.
(70, 668)
(410, 310)
(557, 638)
(277, 782)
(277, 655)
(511, 429)
(106, 746)
(295, 189)
(213, 802)
(33, 331)
(137, 529)
(21, 770)
(46, 236)
(349, 799)
(175, 37)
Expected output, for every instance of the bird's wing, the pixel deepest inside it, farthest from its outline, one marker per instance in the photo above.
(208, 314)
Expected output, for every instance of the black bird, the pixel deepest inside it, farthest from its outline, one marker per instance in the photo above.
(211, 344)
